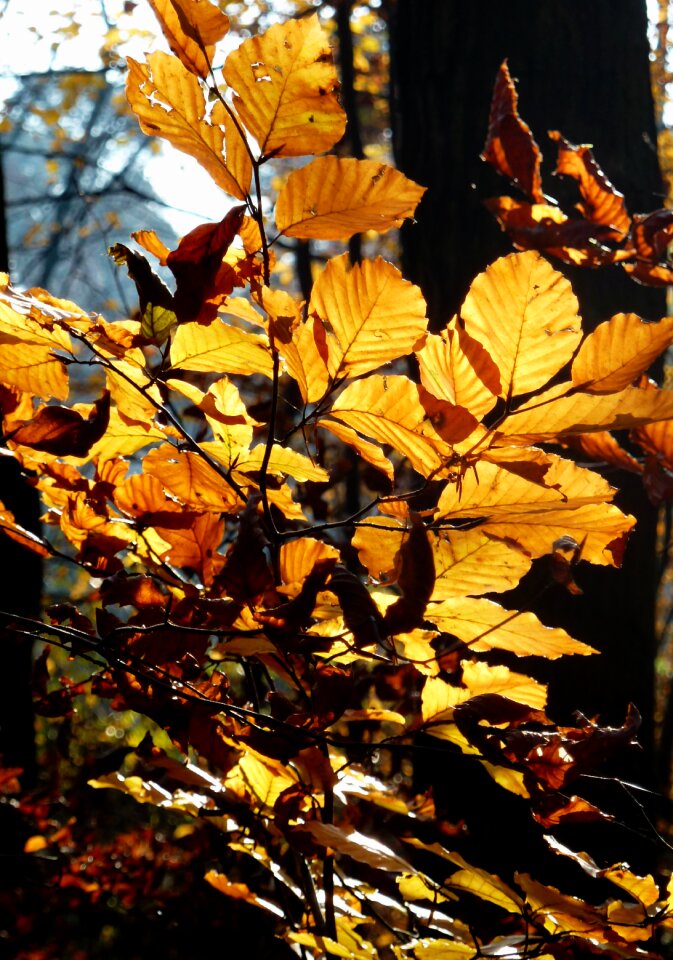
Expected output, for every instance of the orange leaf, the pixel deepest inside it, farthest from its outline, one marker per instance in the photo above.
(456, 368)
(510, 146)
(525, 315)
(192, 28)
(333, 198)
(618, 351)
(169, 102)
(372, 314)
(220, 348)
(64, 432)
(602, 202)
(285, 89)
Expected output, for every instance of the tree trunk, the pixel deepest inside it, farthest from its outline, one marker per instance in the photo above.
(583, 68)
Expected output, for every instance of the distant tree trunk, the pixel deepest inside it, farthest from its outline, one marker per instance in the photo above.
(20, 592)
(583, 68)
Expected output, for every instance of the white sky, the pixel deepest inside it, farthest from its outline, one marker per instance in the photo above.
(32, 30)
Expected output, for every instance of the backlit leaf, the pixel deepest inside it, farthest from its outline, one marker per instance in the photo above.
(388, 409)
(456, 368)
(602, 203)
(485, 625)
(285, 87)
(333, 198)
(220, 348)
(373, 315)
(616, 353)
(559, 412)
(192, 28)
(187, 475)
(169, 102)
(525, 315)
(468, 562)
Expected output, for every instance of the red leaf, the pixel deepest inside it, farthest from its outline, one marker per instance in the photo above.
(198, 269)
(64, 432)
(510, 146)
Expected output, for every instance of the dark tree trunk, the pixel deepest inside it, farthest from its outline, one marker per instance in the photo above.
(20, 592)
(583, 68)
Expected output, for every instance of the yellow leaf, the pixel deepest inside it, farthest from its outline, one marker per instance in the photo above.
(618, 351)
(333, 198)
(358, 846)
(601, 527)
(226, 414)
(490, 491)
(558, 413)
(300, 344)
(299, 557)
(388, 409)
(468, 562)
(283, 460)
(134, 399)
(27, 360)
(480, 678)
(444, 950)
(285, 89)
(508, 779)
(456, 368)
(642, 889)
(35, 843)
(485, 625)
(124, 437)
(191, 479)
(240, 891)
(372, 314)
(266, 777)
(558, 912)
(192, 28)
(486, 886)
(413, 886)
(378, 541)
(168, 102)
(525, 315)
(220, 348)
(368, 451)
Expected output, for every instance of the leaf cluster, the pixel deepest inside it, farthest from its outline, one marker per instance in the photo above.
(282, 642)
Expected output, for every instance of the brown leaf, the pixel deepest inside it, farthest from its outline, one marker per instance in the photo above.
(602, 203)
(416, 581)
(361, 615)
(510, 146)
(64, 432)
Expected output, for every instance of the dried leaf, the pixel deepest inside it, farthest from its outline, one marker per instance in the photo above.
(286, 87)
(618, 351)
(333, 198)
(192, 28)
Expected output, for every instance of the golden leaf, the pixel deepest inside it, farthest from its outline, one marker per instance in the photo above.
(470, 562)
(525, 315)
(485, 625)
(456, 368)
(618, 351)
(367, 450)
(192, 28)
(187, 475)
(373, 315)
(378, 541)
(558, 412)
(283, 460)
(285, 89)
(124, 437)
(558, 912)
(220, 348)
(299, 557)
(194, 545)
(388, 409)
(484, 885)
(300, 344)
(333, 198)
(27, 360)
(226, 415)
(168, 102)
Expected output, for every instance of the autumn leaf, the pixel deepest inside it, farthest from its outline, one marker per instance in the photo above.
(169, 103)
(333, 198)
(372, 314)
(65, 432)
(455, 367)
(510, 146)
(155, 299)
(388, 409)
(220, 348)
(285, 89)
(470, 563)
(525, 315)
(484, 625)
(601, 202)
(192, 28)
(618, 351)
(27, 358)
